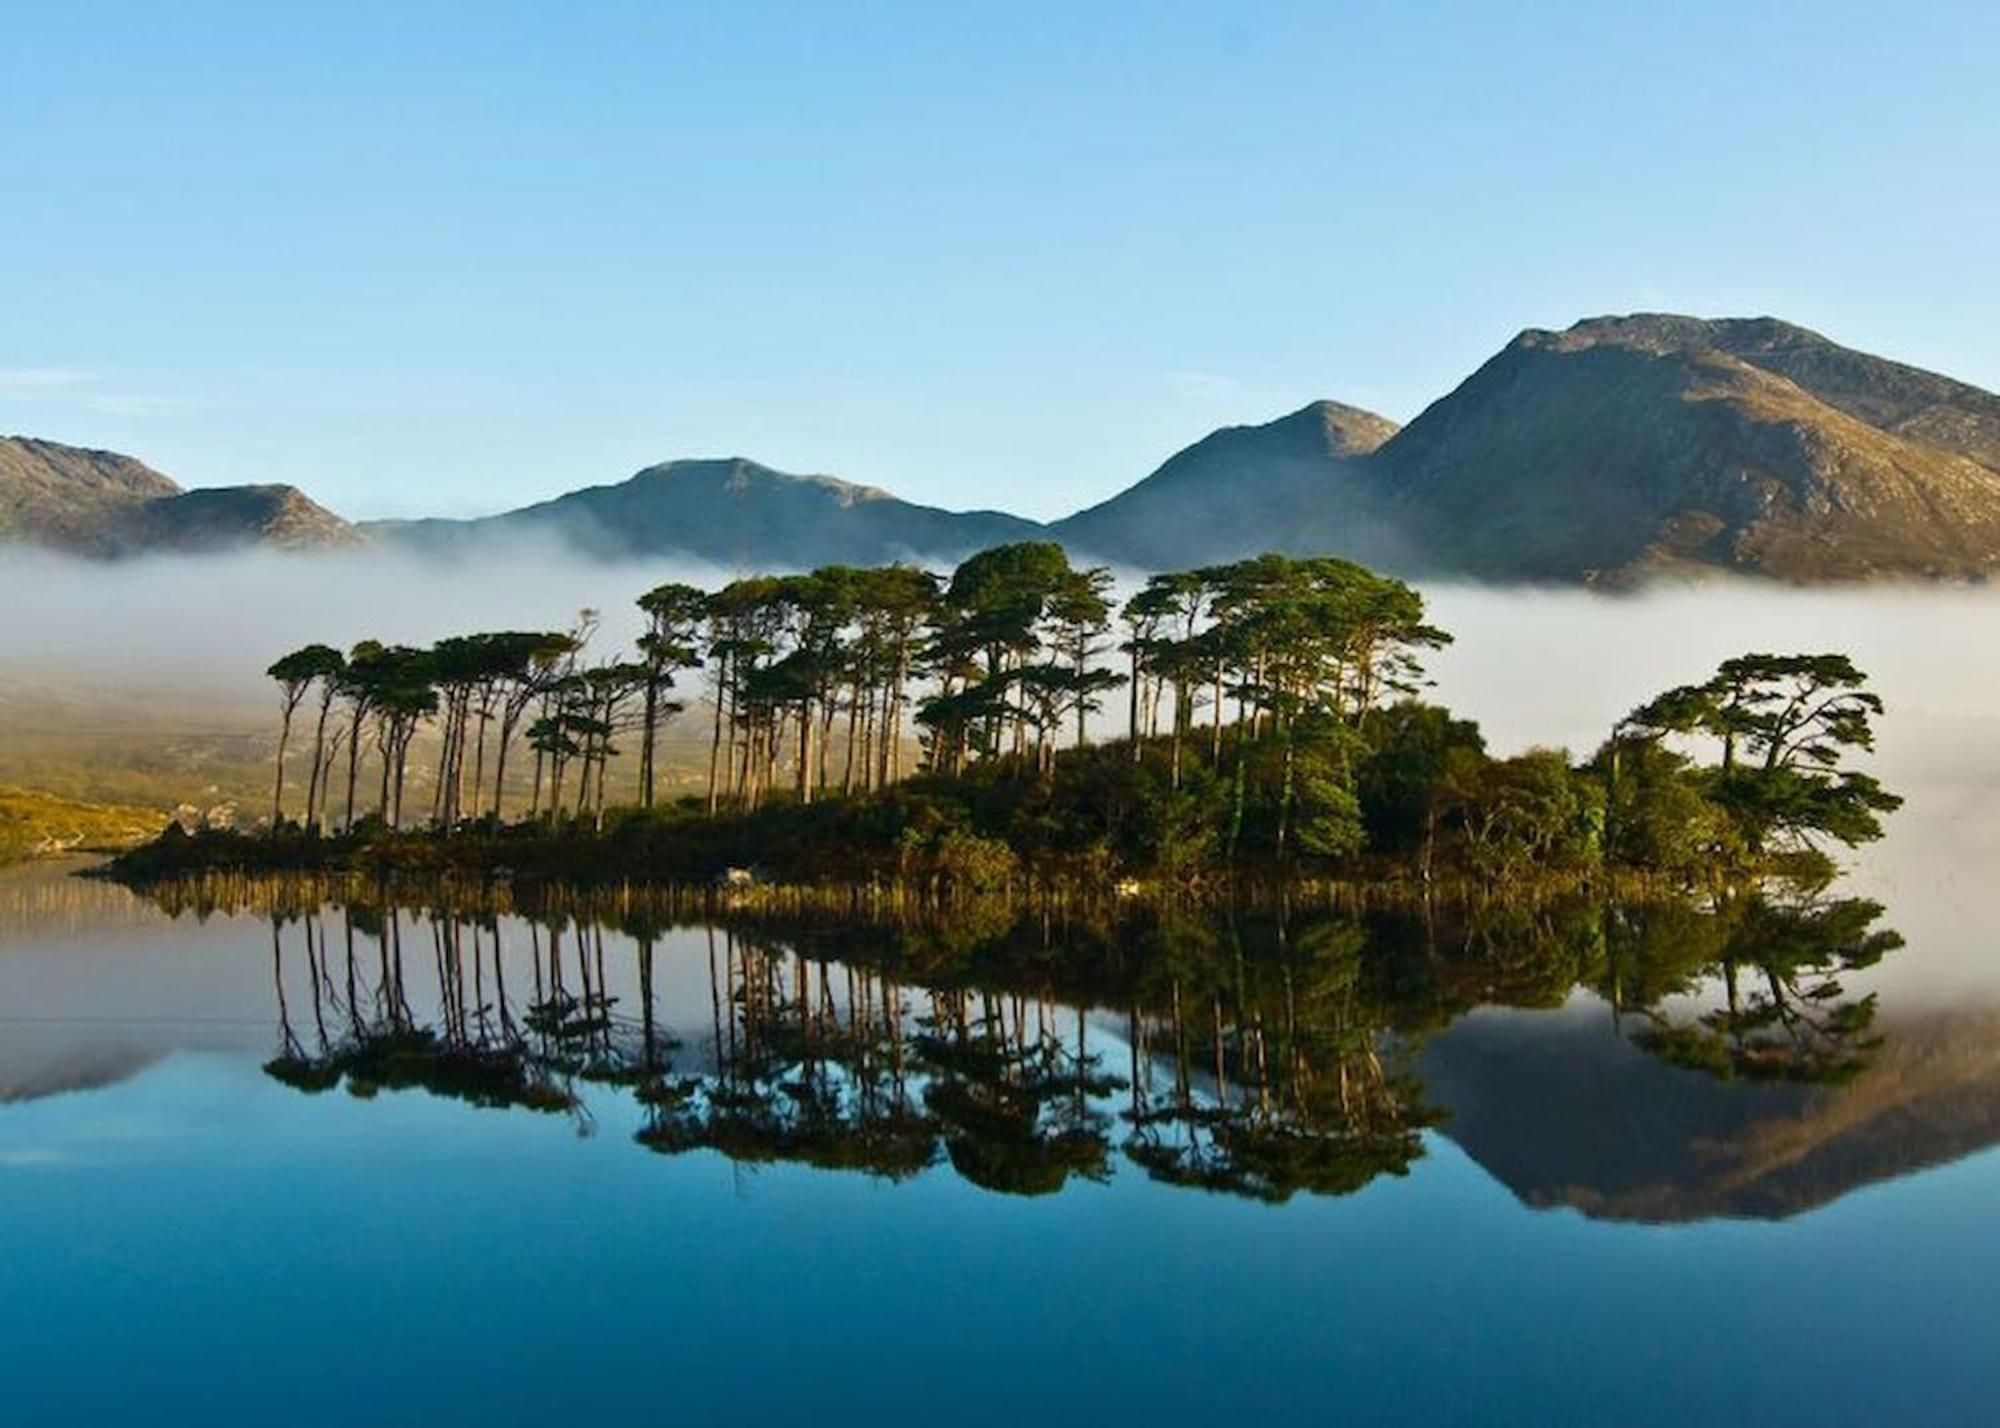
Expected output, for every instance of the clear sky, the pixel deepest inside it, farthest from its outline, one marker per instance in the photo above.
(427, 257)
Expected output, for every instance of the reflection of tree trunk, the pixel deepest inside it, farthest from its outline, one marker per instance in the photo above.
(313, 974)
(291, 1043)
(347, 937)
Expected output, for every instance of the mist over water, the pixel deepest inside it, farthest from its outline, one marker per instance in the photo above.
(1534, 667)
(1559, 667)
(206, 628)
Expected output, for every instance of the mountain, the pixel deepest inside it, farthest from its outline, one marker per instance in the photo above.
(100, 503)
(1626, 447)
(221, 517)
(65, 495)
(732, 512)
(1620, 449)
(1239, 491)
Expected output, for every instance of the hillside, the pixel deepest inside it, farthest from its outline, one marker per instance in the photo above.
(66, 496)
(1903, 400)
(1623, 448)
(33, 824)
(734, 513)
(1238, 492)
(224, 517)
(99, 503)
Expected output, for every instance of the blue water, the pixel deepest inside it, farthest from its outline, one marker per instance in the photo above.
(193, 1242)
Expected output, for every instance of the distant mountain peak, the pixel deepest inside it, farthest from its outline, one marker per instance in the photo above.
(1350, 431)
(736, 512)
(1239, 491)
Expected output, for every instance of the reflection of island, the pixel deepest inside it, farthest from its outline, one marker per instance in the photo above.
(1652, 1060)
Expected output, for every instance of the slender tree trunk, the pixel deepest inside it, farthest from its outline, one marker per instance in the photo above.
(647, 736)
(500, 766)
(1215, 718)
(853, 741)
(353, 764)
(805, 753)
(1132, 700)
(402, 767)
(479, 762)
(715, 736)
(319, 750)
(278, 788)
(1285, 791)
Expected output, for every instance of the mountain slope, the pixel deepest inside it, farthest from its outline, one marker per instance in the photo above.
(100, 503)
(1243, 490)
(1903, 400)
(64, 495)
(225, 517)
(1623, 448)
(732, 512)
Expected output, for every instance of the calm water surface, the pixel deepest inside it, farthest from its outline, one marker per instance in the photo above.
(264, 1158)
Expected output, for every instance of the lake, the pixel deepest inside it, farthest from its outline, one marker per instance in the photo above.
(267, 1155)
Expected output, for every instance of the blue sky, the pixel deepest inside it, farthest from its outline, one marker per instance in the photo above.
(429, 257)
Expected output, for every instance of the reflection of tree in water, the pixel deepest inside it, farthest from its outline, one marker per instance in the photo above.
(1302, 1090)
(1014, 1095)
(1783, 1011)
(477, 1048)
(1270, 1052)
(803, 1070)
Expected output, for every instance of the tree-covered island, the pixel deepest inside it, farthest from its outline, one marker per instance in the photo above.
(1010, 727)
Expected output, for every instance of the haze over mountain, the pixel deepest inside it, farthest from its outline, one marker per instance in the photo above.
(1620, 449)
(1229, 494)
(735, 513)
(100, 503)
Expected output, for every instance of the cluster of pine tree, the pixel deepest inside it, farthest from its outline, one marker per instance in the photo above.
(1269, 716)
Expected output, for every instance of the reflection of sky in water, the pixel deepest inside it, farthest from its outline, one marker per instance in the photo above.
(204, 1239)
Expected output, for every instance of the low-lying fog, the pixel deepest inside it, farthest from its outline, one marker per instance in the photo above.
(1533, 667)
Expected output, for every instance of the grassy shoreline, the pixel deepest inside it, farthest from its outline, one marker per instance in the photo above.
(38, 825)
(699, 863)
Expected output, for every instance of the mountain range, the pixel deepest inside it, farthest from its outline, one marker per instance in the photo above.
(1617, 450)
